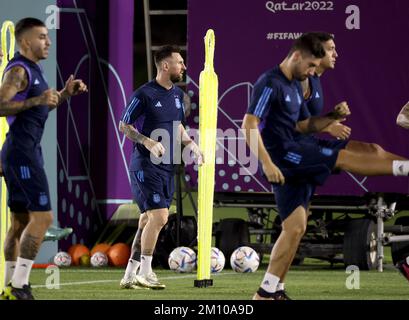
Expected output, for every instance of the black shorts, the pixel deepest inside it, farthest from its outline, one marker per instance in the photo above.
(27, 188)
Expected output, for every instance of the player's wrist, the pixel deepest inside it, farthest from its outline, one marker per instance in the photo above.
(187, 142)
(145, 141)
(64, 94)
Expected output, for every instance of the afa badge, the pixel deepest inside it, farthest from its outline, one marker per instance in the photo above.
(156, 198)
(178, 104)
(43, 199)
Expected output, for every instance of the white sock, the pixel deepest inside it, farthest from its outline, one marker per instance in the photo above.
(270, 282)
(400, 168)
(146, 265)
(280, 286)
(10, 266)
(21, 272)
(131, 268)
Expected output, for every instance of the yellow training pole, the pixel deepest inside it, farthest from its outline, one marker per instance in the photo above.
(4, 214)
(208, 97)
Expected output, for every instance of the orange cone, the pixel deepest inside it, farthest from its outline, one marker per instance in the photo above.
(118, 255)
(76, 251)
(100, 247)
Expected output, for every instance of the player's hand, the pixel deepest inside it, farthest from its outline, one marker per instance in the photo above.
(50, 97)
(341, 111)
(197, 153)
(74, 87)
(154, 147)
(273, 173)
(338, 130)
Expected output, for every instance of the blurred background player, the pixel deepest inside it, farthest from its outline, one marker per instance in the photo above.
(314, 101)
(26, 100)
(293, 166)
(275, 107)
(152, 120)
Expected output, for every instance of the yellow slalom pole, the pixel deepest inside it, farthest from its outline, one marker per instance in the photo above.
(7, 26)
(208, 98)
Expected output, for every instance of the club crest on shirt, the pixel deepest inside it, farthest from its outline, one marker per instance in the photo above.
(177, 102)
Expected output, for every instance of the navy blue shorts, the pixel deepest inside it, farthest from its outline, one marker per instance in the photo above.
(292, 195)
(152, 188)
(333, 144)
(27, 188)
(326, 143)
(304, 165)
(305, 162)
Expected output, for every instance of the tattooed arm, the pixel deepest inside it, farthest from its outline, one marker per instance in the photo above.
(15, 80)
(155, 147)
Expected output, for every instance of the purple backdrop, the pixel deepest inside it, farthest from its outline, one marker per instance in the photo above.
(372, 72)
(95, 42)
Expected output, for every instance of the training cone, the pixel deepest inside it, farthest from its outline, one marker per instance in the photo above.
(76, 251)
(118, 255)
(100, 247)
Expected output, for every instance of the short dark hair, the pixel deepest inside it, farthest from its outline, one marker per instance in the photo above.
(165, 52)
(322, 36)
(26, 24)
(310, 44)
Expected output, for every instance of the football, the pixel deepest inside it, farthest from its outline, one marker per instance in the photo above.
(244, 259)
(99, 259)
(217, 260)
(62, 259)
(182, 259)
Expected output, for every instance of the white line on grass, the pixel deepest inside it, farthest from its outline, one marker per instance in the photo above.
(106, 281)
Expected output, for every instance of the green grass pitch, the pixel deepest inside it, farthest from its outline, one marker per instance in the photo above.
(311, 281)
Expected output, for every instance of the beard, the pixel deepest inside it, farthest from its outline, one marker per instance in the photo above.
(300, 77)
(176, 78)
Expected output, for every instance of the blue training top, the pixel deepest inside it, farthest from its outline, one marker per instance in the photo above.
(156, 113)
(314, 105)
(278, 102)
(22, 145)
(315, 102)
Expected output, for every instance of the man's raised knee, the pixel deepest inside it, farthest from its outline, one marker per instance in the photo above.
(377, 149)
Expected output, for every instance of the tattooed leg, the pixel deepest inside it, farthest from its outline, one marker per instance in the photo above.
(136, 245)
(33, 234)
(19, 222)
(30, 243)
